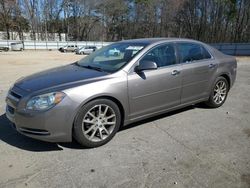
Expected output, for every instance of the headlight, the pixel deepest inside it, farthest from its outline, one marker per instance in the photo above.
(45, 101)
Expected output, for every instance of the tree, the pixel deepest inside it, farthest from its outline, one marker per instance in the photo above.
(113, 18)
(32, 13)
(5, 14)
(207, 20)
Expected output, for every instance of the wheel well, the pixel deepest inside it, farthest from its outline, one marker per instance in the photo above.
(116, 101)
(227, 78)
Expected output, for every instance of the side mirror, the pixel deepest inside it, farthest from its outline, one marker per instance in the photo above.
(145, 65)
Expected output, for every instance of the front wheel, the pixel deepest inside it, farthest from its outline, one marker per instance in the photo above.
(219, 93)
(97, 122)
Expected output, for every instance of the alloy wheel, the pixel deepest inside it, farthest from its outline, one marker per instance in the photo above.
(220, 92)
(98, 123)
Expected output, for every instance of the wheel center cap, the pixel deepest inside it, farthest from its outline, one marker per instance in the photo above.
(99, 122)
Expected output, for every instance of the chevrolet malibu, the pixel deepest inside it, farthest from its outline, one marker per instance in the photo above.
(92, 98)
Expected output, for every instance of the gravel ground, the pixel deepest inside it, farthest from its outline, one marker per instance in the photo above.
(192, 147)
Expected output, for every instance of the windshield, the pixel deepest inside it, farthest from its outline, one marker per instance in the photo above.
(112, 57)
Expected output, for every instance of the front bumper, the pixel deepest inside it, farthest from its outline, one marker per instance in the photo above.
(54, 125)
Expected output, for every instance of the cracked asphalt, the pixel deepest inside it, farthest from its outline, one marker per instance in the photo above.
(191, 147)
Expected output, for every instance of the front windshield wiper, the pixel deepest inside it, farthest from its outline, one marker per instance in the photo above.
(91, 67)
(94, 68)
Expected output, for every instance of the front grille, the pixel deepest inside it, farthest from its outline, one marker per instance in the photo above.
(10, 109)
(13, 97)
(14, 94)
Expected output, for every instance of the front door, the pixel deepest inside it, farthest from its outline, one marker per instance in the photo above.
(154, 90)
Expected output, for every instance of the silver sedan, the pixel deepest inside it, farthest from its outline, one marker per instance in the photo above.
(92, 98)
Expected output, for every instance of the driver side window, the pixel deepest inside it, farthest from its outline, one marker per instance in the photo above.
(163, 55)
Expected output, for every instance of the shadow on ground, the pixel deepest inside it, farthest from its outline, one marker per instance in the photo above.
(10, 136)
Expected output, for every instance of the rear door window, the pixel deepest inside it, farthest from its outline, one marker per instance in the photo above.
(192, 52)
(206, 53)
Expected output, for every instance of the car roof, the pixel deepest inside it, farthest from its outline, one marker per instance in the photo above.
(156, 40)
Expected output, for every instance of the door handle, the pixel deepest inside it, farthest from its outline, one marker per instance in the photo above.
(175, 72)
(212, 65)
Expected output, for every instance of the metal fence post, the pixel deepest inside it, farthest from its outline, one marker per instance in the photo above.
(46, 44)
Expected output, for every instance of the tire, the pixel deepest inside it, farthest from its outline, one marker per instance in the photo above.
(92, 129)
(217, 101)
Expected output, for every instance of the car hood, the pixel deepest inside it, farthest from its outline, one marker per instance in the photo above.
(57, 77)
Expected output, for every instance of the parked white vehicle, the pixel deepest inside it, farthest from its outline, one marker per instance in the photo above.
(4, 48)
(68, 48)
(86, 50)
(18, 46)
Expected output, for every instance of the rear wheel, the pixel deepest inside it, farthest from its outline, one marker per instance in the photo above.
(97, 123)
(219, 93)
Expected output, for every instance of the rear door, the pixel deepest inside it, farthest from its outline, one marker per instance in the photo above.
(154, 90)
(198, 68)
